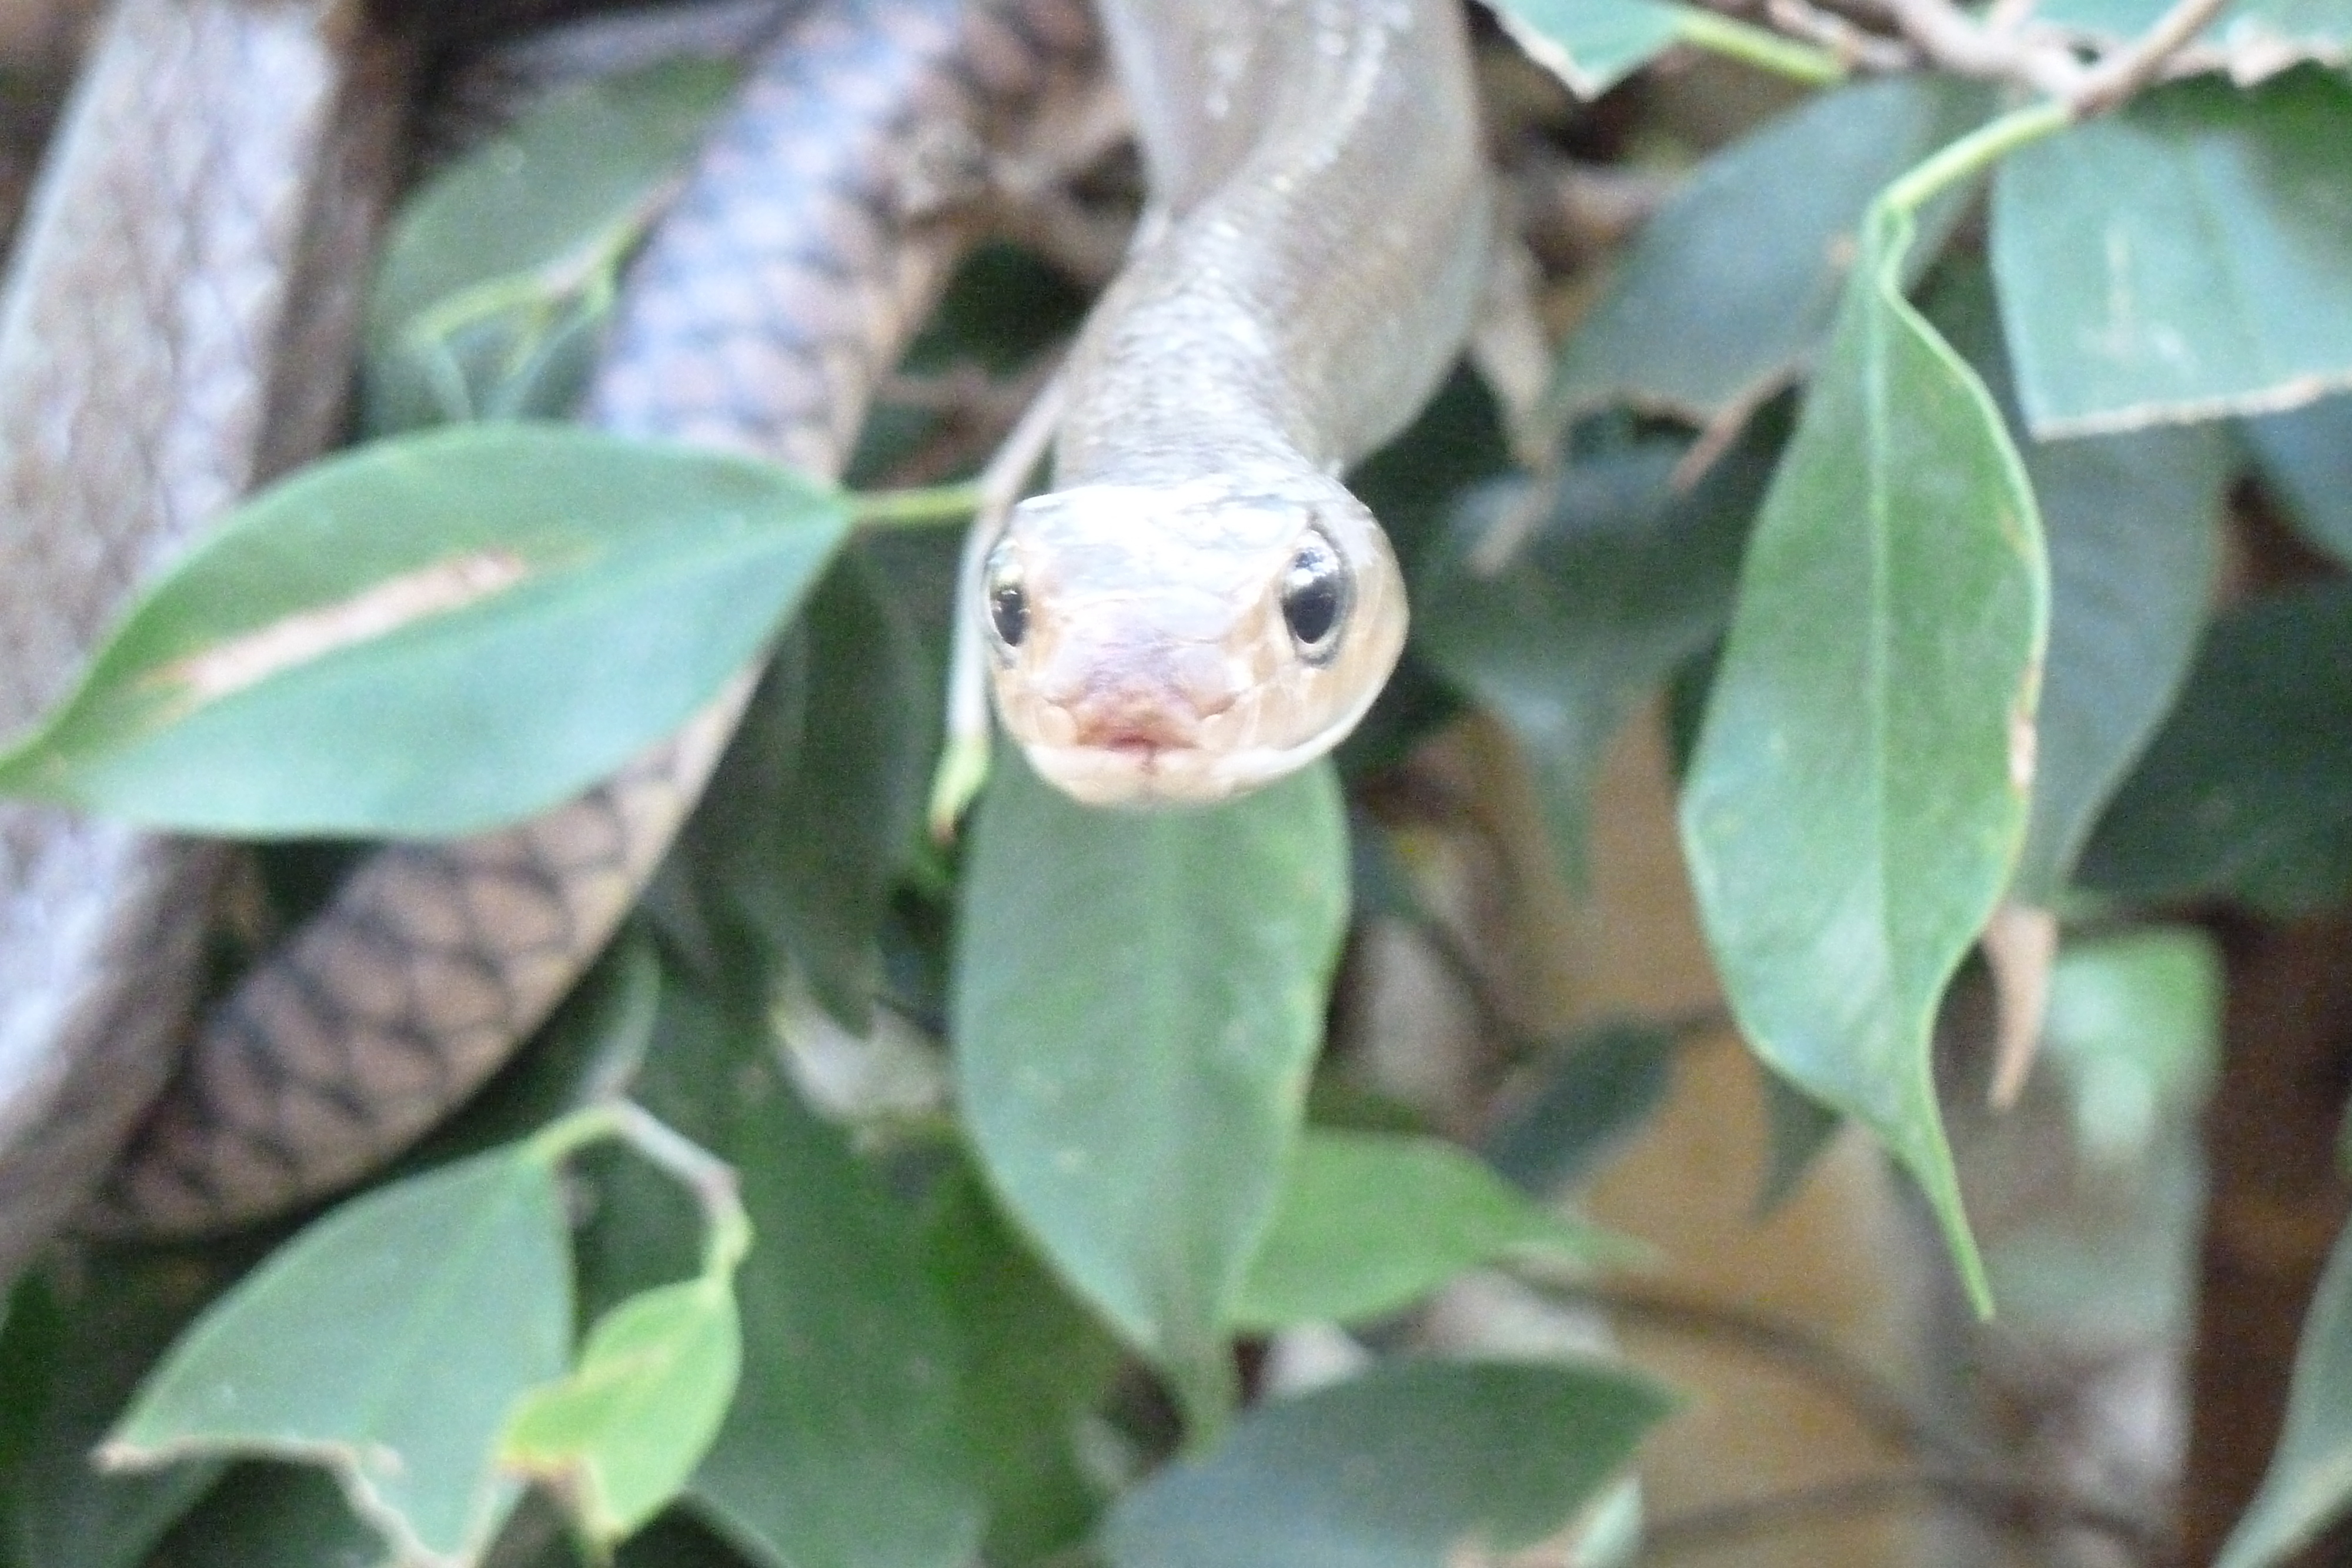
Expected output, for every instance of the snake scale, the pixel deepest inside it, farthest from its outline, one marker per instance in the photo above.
(773, 295)
(1316, 245)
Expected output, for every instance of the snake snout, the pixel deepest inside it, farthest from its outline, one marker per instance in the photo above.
(1146, 716)
(1142, 695)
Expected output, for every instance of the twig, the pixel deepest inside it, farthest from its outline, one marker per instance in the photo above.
(2119, 74)
(2007, 1502)
(963, 762)
(1857, 47)
(974, 408)
(1892, 1418)
(1955, 1464)
(1950, 38)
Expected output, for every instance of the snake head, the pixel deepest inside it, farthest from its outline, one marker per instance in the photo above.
(1187, 642)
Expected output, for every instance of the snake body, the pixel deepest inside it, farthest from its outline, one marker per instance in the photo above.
(1320, 231)
(768, 303)
(1201, 606)
(188, 259)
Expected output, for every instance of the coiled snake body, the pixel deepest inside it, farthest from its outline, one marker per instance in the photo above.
(1319, 239)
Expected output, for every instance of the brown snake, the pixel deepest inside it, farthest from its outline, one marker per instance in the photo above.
(785, 280)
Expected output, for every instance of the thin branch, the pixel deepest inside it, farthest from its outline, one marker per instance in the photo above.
(1859, 47)
(1890, 1416)
(2121, 74)
(1950, 37)
(1955, 1467)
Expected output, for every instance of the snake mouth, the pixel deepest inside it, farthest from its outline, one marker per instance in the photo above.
(1134, 770)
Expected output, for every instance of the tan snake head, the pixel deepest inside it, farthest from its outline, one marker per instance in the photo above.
(1164, 644)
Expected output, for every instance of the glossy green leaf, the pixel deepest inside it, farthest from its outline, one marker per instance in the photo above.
(435, 635)
(2259, 37)
(619, 1434)
(1731, 288)
(1858, 796)
(497, 272)
(2132, 523)
(807, 820)
(1370, 1222)
(386, 1343)
(843, 1447)
(2306, 458)
(2187, 258)
(1591, 45)
(1596, 1093)
(2247, 790)
(2309, 1485)
(1624, 577)
(1137, 1000)
(1415, 1464)
(1035, 1364)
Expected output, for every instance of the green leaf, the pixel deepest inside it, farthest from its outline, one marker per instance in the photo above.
(2247, 790)
(806, 823)
(1413, 1465)
(2306, 458)
(618, 1435)
(1369, 1222)
(1591, 45)
(1137, 1000)
(386, 1343)
(843, 1447)
(1597, 1093)
(497, 272)
(1729, 290)
(435, 635)
(1859, 793)
(2132, 525)
(2260, 36)
(1625, 576)
(2310, 1482)
(1035, 1364)
(2187, 258)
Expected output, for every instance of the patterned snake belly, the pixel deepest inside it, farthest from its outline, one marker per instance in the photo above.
(771, 297)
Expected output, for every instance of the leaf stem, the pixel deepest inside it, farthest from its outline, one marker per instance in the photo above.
(929, 506)
(1759, 46)
(1974, 154)
(710, 1178)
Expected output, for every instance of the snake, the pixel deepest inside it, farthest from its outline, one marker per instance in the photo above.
(1199, 606)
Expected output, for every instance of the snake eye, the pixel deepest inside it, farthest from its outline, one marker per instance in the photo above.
(1008, 602)
(1314, 594)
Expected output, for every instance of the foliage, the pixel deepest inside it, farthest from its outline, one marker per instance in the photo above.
(1914, 496)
